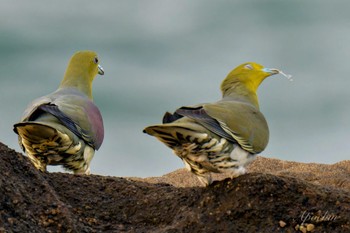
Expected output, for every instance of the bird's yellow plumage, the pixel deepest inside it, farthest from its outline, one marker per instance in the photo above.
(243, 81)
(223, 136)
(81, 71)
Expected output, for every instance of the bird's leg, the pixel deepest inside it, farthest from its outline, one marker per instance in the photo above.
(205, 179)
(84, 170)
(235, 172)
(88, 155)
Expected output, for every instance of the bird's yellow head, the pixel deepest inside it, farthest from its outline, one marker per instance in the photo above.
(243, 82)
(249, 75)
(81, 71)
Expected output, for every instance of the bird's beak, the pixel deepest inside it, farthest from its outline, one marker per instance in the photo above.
(271, 71)
(277, 71)
(100, 70)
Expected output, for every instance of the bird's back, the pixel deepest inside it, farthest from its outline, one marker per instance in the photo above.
(57, 128)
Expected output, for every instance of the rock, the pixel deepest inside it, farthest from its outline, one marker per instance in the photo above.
(328, 175)
(300, 194)
(310, 227)
(302, 229)
(282, 223)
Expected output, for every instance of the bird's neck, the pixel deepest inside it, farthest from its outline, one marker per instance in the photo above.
(242, 93)
(79, 83)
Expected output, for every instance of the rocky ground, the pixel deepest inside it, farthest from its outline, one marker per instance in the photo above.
(276, 196)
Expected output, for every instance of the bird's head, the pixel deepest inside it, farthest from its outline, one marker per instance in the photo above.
(85, 62)
(249, 75)
(81, 71)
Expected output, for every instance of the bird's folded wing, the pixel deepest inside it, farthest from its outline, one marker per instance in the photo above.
(67, 121)
(81, 116)
(232, 120)
(243, 122)
(33, 106)
(76, 112)
(168, 117)
(200, 115)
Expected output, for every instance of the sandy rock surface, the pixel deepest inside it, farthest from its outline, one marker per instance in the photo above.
(275, 196)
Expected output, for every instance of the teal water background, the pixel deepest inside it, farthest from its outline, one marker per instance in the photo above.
(162, 54)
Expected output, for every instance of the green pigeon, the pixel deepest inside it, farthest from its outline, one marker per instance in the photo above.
(224, 136)
(65, 127)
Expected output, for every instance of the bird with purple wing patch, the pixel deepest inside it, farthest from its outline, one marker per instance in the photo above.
(65, 127)
(223, 136)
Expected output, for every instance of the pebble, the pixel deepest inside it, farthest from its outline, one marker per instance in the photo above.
(310, 227)
(302, 229)
(297, 227)
(15, 201)
(282, 223)
(11, 220)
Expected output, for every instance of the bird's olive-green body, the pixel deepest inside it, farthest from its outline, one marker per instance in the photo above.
(223, 136)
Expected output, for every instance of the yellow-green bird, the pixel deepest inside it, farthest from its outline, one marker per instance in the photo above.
(65, 127)
(223, 136)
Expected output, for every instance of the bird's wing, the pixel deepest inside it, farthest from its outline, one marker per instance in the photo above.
(32, 107)
(245, 123)
(81, 116)
(200, 115)
(75, 111)
(234, 121)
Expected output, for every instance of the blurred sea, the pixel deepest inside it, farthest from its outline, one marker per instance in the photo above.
(161, 54)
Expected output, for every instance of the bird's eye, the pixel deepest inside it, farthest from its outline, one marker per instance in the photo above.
(248, 66)
(96, 60)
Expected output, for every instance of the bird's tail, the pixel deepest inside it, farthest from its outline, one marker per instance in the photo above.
(194, 144)
(40, 136)
(177, 134)
(34, 131)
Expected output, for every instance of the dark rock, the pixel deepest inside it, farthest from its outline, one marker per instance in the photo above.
(32, 201)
